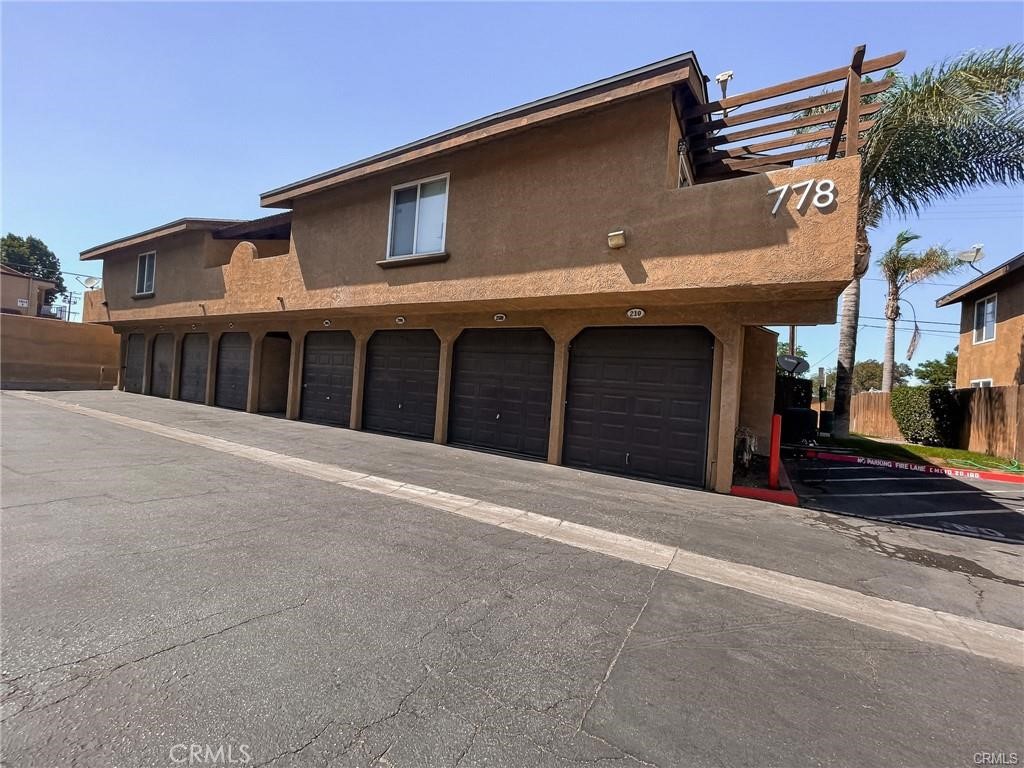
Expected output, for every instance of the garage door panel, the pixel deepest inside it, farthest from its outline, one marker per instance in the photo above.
(645, 412)
(400, 391)
(163, 362)
(195, 356)
(503, 383)
(232, 387)
(134, 363)
(327, 361)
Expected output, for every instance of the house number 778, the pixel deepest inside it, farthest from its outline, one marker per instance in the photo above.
(824, 193)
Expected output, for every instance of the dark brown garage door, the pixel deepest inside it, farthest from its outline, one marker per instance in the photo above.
(195, 355)
(232, 386)
(400, 390)
(327, 377)
(163, 360)
(135, 362)
(501, 391)
(637, 402)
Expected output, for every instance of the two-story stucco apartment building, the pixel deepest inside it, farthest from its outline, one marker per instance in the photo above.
(991, 351)
(582, 280)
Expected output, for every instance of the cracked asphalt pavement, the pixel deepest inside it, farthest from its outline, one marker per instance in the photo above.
(156, 593)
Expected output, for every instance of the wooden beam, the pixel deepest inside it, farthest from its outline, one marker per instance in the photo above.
(853, 117)
(786, 108)
(785, 141)
(740, 164)
(848, 96)
(821, 118)
(793, 86)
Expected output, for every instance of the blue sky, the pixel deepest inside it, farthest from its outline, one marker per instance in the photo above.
(119, 117)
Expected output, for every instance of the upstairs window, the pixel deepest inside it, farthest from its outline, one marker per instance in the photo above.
(146, 273)
(418, 214)
(985, 319)
(981, 383)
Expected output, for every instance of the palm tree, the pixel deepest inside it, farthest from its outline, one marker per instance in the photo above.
(901, 269)
(951, 128)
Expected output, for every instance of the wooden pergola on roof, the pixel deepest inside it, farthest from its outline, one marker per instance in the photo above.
(834, 100)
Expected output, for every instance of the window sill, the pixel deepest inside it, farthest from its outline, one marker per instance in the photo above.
(982, 341)
(149, 295)
(408, 261)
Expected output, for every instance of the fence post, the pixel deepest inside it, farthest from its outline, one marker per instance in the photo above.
(775, 455)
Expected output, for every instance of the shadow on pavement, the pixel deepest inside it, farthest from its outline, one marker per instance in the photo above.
(983, 509)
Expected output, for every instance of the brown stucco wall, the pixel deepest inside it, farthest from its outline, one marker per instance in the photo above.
(1001, 359)
(757, 397)
(528, 218)
(39, 353)
(14, 287)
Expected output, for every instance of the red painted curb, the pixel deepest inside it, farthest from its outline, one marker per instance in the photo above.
(782, 496)
(928, 469)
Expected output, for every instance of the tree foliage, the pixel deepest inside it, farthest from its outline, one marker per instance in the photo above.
(938, 373)
(867, 375)
(30, 256)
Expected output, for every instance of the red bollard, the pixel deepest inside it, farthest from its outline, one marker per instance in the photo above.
(775, 453)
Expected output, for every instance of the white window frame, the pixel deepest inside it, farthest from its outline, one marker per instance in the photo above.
(153, 276)
(995, 319)
(416, 225)
(981, 383)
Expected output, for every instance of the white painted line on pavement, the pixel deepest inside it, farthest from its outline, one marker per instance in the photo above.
(957, 513)
(981, 638)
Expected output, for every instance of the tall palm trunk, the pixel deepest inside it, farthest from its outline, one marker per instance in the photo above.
(847, 358)
(848, 338)
(892, 314)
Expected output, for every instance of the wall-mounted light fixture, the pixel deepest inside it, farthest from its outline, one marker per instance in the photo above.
(617, 239)
(327, 323)
(194, 326)
(280, 300)
(399, 320)
(500, 317)
(231, 325)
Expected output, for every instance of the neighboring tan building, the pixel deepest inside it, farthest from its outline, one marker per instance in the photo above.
(22, 294)
(580, 280)
(991, 352)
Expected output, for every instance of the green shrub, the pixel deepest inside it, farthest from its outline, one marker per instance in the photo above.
(926, 415)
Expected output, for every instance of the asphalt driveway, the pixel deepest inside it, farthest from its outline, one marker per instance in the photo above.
(175, 575)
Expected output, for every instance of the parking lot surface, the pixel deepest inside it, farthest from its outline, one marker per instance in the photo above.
(175, 575)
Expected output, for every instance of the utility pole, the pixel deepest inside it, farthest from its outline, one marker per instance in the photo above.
(792, 340)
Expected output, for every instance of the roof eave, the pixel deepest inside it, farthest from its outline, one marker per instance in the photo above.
(660, 74)
(981, 282)
(149, 235)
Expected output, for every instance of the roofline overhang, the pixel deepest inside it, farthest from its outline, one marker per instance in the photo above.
(660, 74)
(981, 282)
(147, 236)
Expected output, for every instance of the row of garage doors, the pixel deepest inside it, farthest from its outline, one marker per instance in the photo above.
(637, 399)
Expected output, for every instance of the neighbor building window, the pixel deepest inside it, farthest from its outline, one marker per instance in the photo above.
(980, 383)
(146, 273)
(418, 213)
(985, 319)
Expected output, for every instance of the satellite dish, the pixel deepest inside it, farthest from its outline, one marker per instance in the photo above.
(973, 254)
(792, 364)
(90, 283)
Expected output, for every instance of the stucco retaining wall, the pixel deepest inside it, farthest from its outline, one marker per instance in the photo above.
(43, 354)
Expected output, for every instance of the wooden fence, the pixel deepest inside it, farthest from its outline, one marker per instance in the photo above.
(993, 419)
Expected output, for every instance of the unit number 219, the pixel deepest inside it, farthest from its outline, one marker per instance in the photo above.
(821, 192)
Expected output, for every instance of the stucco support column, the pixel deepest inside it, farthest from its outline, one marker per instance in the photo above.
(559, 380)
(147, 363)
(252, 400)
(122, 360)
(295, 374)
(355, 419)
(729, 374)
(444, 381)
(211, 366)
(179, 337)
